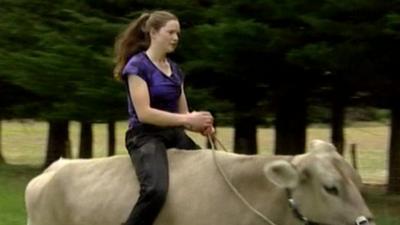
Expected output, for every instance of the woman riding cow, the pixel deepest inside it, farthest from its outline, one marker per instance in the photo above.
(158, 110)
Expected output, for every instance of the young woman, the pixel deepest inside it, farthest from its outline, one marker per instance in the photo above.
(158, 111)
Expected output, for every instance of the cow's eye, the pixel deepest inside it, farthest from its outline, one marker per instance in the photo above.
(332, 190)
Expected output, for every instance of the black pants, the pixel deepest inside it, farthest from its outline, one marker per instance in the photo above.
(147, 147)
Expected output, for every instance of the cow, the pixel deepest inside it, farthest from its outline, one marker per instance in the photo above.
(318, 188)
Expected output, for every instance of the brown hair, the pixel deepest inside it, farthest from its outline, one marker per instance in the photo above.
(136, 38)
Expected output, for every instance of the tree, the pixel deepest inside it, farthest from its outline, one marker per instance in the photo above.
(66, 63)
(359, 51)
(394, 152)
(86, 140)
(2, 160)
(214, 57)
(11, 99)
(111, 138)
(57, 141)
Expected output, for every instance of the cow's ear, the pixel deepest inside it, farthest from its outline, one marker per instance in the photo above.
(282, 174)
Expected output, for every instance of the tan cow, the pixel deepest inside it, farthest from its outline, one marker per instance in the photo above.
(319, 187)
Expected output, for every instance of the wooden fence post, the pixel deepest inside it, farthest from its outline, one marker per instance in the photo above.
(353, 151)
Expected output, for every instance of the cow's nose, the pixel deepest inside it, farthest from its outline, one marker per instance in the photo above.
(362, 220)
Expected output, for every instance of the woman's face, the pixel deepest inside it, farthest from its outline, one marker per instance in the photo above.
(167, 37)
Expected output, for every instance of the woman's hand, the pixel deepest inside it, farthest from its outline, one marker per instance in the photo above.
(208, 131)
(199, 121)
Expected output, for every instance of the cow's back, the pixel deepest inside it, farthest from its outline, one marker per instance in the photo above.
(103, 191)
(200, 195)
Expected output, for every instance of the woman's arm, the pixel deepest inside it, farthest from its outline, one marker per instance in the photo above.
(146, 114)
(183, 108)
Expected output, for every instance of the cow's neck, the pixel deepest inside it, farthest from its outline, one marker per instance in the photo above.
(250, 181)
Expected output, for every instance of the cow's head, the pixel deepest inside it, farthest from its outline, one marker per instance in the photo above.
(323, 186)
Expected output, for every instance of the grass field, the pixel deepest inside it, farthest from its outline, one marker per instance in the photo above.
(24, 142)
(13, 180)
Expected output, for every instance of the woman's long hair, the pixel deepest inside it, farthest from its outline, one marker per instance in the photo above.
(136, 38)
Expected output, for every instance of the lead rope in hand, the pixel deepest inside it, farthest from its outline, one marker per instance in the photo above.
(212, 137)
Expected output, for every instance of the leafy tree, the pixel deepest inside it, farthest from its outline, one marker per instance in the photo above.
(356, 43)
(1, 147)
(66, 63)
(241, 45)
(278, 56)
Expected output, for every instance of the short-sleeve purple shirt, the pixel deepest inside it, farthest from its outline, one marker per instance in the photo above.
(164, 91)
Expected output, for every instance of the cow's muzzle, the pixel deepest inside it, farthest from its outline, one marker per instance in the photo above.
(362, 220)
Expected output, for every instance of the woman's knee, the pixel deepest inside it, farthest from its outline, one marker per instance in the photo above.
(185, 142)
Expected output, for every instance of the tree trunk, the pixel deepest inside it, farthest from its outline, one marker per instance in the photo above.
(337, 124)
(290, 122)
(111, 137)
(245, 137)
(86, 140)
(68, 153)
(57, 141)
(1, 143)
(394, 152)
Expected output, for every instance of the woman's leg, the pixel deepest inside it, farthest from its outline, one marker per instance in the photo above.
(183, 141)
(150, 160)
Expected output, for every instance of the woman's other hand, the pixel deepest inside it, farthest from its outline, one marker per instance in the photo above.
(208, 131)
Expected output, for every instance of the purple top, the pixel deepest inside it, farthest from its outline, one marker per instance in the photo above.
(164, 91)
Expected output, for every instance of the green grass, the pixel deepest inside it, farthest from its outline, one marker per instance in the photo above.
(385, 207)
(13, 180)
(24, 143)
